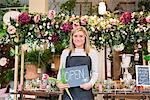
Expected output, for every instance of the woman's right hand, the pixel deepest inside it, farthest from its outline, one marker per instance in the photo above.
(62, 86)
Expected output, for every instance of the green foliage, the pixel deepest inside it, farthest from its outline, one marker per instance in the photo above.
(68, 6)
(11, 3)
(145, 4)
(39, 57)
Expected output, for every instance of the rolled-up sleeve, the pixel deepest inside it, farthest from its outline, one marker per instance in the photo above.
(62, 62)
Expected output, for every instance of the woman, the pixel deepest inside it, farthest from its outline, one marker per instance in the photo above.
(79, 53)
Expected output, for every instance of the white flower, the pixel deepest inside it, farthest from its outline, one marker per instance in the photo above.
(119, 47)
(3, 61)
(93, 29)
(40, 26)
(44, 24)
(141, 13)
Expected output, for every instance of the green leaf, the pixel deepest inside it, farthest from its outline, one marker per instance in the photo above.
(12, 52)
(63, 80)
(147, 57)
(2, 33)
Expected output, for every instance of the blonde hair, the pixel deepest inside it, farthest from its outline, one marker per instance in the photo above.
(87, 40)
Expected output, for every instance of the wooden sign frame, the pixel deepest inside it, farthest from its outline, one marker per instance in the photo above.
(142, 75)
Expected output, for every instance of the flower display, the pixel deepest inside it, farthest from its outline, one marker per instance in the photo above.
(120, 32)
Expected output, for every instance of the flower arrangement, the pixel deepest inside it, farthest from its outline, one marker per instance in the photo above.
(118, 32)
(6, 64)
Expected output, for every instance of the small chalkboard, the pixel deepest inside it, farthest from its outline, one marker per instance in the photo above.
(77, 75)
(142, 75)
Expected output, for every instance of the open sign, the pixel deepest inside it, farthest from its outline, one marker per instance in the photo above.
(77, 75)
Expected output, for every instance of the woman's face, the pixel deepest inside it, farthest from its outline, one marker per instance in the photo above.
(79, 39)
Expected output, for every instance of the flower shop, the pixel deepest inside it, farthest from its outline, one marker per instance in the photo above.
(31, 42)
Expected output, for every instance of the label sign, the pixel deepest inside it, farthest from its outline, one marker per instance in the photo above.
(77, 75)
(142, 75)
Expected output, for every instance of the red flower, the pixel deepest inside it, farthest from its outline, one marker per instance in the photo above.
(24, 18)
(126, 17)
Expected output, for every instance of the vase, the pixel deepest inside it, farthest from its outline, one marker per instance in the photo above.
(125, 64)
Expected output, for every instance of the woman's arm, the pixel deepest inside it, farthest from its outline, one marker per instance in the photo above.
(94, 70)
(62, 62)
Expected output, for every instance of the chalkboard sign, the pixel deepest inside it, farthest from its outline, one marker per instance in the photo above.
(77, 75)
(142, 75)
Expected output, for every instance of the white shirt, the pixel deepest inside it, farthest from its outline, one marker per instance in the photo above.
(80, 52)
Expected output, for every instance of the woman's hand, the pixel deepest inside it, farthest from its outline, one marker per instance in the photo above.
(62, 86)
(86, 86)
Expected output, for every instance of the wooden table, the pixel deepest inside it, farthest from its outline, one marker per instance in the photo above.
(45, 95)
(125, 95)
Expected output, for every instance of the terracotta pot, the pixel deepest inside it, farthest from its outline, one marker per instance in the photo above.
(57, 61)
(31, 71)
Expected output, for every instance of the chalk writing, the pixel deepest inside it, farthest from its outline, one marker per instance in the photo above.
(142, 75)
(77, 75)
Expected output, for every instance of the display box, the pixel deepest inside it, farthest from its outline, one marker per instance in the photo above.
(38, 6)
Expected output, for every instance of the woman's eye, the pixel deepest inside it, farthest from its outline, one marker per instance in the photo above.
(81, 35)
(75, 36)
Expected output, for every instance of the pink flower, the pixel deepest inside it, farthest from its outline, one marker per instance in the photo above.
(66, 27)
(76, 25)
(83, 21)
(37, 18)
(126, 17)
(24, 18)
(51, 14)
(19, 87)
(11, 29)
(2, 91)
(3, 61)
(45, 77)
(148, 19)
(113, 21)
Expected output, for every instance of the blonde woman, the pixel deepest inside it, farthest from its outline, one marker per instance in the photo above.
(79, 53)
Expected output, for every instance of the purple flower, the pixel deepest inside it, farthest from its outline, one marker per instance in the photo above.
(53, 38)
(24, 18)
(125, 17)
(66, 27)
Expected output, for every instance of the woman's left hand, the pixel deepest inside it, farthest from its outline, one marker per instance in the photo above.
(86, 86)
